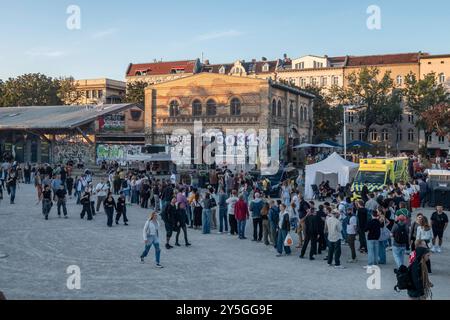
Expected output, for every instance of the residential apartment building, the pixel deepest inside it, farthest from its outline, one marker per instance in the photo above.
(95, 91)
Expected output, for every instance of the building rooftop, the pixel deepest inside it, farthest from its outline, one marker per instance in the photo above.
(54, 117)
(356, 61)
(160, 68)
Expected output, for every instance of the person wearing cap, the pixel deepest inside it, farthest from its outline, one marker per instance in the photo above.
(400, 234)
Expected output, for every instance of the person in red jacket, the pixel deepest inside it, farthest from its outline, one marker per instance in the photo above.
(241, 214)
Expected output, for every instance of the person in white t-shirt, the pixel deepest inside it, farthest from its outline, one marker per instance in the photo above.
(101, 190)
(351, 234)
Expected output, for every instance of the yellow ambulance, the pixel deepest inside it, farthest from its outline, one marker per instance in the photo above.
(376, 173)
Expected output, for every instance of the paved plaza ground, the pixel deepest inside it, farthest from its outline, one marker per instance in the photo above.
(215, 267)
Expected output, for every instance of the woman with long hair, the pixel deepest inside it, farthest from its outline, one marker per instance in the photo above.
(151, 237)
(196, 205)
(421, 285)
(414, 226)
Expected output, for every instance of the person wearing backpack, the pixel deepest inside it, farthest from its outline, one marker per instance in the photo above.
(400, 233)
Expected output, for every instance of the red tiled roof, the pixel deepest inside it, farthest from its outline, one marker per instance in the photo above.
(159, 68)
(384, 59)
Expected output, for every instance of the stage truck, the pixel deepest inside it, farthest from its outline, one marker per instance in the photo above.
(376, 173)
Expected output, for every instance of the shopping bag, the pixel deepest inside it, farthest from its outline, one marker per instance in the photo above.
(288, 241)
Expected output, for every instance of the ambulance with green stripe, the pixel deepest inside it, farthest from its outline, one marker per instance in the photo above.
(376, 173)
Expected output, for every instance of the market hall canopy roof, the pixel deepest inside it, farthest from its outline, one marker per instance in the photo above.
(54, 117)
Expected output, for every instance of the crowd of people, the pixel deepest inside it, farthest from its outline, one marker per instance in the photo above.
(388, 220)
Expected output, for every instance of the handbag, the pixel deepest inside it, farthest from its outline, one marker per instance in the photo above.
(385, 234)
(288, 242)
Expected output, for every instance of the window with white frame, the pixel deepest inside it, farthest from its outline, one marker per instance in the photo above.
(323, 81)
(442, 78)
(351, 135)
(411, 135)
(335, 80)
(313, 81)
(441, 139)
(362, 132)
(302, 82)
(399, 80)
(384, 135)
(265, 67)
(373, 134)
(350, 117)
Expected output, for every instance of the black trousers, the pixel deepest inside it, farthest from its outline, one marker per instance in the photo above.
(144, 203)
(182, 227)
(313, 249)
(109, 214)
(62, 203)
(233, 224)
(257, 222)
(86, 209)
(322, 242)
(93, 207)
(124, 214)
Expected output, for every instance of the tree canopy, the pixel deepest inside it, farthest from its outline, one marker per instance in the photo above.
(136, 92)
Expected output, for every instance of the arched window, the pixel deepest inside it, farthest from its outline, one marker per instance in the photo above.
(441, 78)
(351, 135)
(291, 110)
(174, 109)
(384, 135)
(361, 134)
(196, 108)
(411, 135)
(373, 135)
(305, 113)
(235, 107)
(399, 135)
(279, 108)
(274, 107)
(211, 107)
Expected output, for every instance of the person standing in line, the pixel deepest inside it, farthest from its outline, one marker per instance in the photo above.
(274, 216)
(197, 208)
(414, 226)
(109, 205)
(334, 228)
(206, 214)
(373, 230)
(121, 209)
(439, 223)
(256, 206)
(362, 216)
(311, 234)
(421, 285)
(151, 237)
(266, 223)
(86, 203)
(351, 235)
(222, 203)
(168, 217)
(47, 201)
(284, 227)
(101, 189)
(180, 221)
(231, 201)
(61, 194)
(400, 233)
(385, 234)
(241, 215)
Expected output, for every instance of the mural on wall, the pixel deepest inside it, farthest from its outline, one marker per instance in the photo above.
(116, 152)
(73, 148)
(112, 122)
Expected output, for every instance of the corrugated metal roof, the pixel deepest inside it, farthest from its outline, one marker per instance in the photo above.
(54, 117)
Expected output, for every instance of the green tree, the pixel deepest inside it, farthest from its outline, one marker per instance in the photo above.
(136, 92)
(2, 86)
(67, 90)
(33, 89)
(377, 97)
(328, 120)
(421, 96)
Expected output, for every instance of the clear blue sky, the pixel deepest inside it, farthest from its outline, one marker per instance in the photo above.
(34, 36)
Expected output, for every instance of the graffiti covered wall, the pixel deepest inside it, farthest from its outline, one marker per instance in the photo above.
(73, 148)
(116, 152)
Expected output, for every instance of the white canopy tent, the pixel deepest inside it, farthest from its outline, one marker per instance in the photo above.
(334, 168)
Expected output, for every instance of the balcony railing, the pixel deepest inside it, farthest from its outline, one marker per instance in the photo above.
(210, 120)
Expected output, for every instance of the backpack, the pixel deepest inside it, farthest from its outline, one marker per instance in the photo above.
(401, 235)
(404, 281)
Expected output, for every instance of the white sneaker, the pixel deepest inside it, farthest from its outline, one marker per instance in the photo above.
(339, 267)
(367, 267)
(433, 249)
(439, 249)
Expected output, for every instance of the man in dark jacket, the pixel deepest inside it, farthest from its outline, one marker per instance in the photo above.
(311, 234)
(168, 216)
(274, 217)
(321, 217)
(421, 287)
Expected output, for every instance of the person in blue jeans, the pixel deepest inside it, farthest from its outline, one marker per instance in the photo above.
(151, 237)
(284, 226)
(223, 211)
(400, 233)
(374, 231)
(206, 214)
